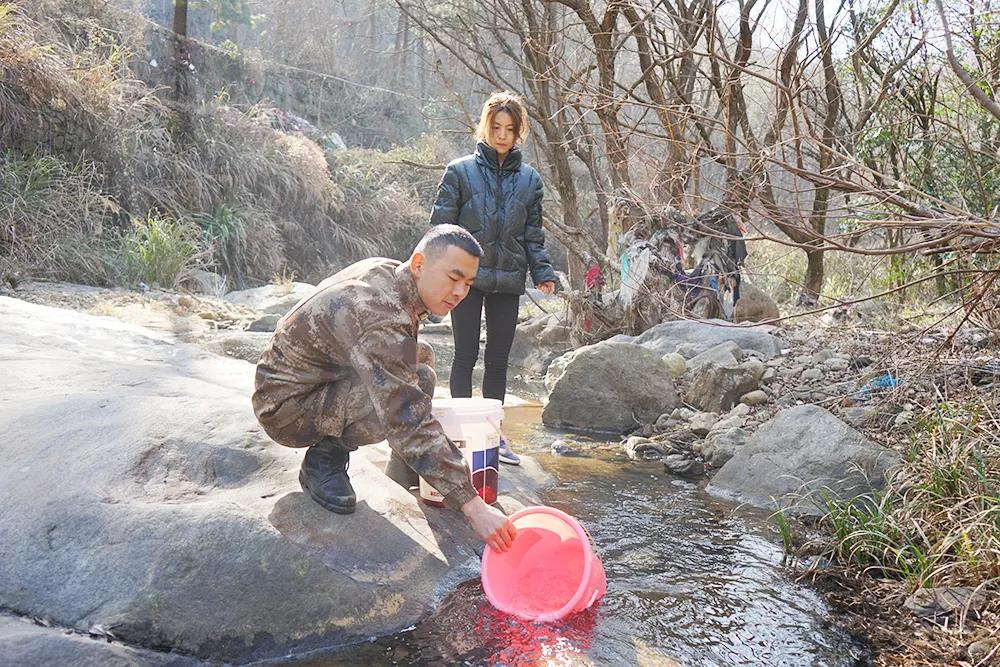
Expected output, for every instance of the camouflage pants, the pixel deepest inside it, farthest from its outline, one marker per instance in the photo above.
(343, 411)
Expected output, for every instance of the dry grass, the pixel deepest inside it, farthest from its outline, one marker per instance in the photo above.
(266, 202)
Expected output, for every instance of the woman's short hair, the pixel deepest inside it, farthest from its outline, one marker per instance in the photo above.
(503, 101)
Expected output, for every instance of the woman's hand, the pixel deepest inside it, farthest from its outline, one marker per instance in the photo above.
(548, 287)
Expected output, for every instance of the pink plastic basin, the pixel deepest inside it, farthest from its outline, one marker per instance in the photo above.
(550, 572)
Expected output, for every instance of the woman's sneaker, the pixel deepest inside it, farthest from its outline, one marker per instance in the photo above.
(507, 455)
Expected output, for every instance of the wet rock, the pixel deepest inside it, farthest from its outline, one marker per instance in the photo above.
(562, 448)
(245, 345)
(690, 338)
(726, 354)
(182, 525)
(25, 643)
(812, 375)
(608, 387)
(676, 364)
(644, 449)
(755, 397)
(798, 452)
(683, 465)
(754, 305)
(277, 299)
(718, 388)
(266, 323)
(702, 422)
(721, 445)
(933, 602)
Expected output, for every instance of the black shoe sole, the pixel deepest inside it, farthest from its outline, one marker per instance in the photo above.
(337, 509)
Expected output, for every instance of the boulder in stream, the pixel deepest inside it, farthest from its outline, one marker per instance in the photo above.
(801, 452)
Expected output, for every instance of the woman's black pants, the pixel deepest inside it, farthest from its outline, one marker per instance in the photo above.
(501, 321)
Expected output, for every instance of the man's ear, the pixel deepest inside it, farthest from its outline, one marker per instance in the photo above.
(417, 260)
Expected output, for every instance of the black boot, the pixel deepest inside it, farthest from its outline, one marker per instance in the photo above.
(324, 476)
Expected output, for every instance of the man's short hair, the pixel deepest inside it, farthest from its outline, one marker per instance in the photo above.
(440, 237)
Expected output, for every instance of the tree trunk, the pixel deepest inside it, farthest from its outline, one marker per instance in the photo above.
(182, 72)
(814, 277)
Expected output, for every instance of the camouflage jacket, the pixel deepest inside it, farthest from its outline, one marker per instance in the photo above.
(359, 327)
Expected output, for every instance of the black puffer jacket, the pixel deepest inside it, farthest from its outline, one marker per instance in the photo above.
(502, 207)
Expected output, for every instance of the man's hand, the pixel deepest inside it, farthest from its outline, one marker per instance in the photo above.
(548, 287)
(490, 524)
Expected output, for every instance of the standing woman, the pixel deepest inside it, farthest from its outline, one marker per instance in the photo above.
(498, 198)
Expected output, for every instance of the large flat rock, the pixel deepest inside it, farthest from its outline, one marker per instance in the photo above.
(139, 494)
(690, 338)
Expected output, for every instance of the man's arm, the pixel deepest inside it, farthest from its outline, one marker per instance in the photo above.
(385, 359)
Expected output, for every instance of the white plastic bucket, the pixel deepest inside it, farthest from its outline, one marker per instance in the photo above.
(473, 424)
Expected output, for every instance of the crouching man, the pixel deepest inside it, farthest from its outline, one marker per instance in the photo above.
(344, 369)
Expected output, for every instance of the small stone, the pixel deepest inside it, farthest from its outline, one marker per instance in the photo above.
(774, 363)
(683, 465)
(802, 359)
(734, 421)
(903, 418)
(822, 356)
(696, 446)
(702, 422)
(676, 364)
(562, 448)
(741, 410)
(685, 414)
(644, 449)
(768, 376)
(788, 373)
(857, 416)
(663, 422)
(978, 651)
(677, 414)
(756, 397)
(861, 361)
(265, 323)
(837, 364)
(812, 374)
(755, 367)
(932, 602)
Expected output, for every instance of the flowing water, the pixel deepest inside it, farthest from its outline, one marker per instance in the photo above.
(691, 581)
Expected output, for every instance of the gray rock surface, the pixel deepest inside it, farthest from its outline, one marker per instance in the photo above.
(721, 445)
(718, 388)
(726, 354)
(608, 387)
(798, 452)
(265, 323)
(139, 494)
(277, 299)
(690, 338)
(537, 342)
(25, 644)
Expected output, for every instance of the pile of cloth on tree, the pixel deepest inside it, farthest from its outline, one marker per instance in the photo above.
(652, 250)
